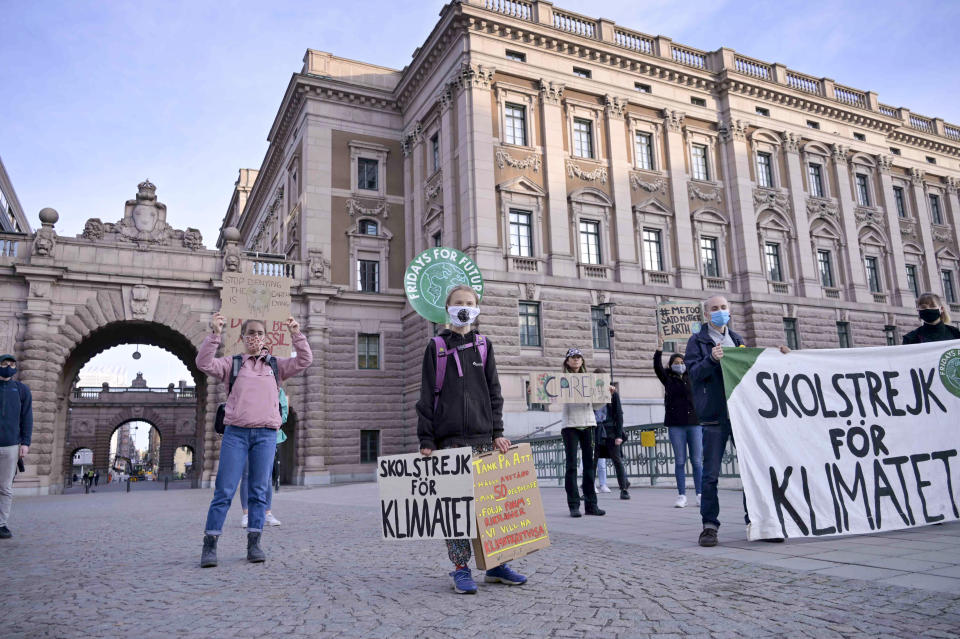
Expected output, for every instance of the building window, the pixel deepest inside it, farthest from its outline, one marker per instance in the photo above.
(936, 215)
(367, 171)
(912, 282)
(598, 319)
(763, 111)
(825, 265)
(582, 138)
(435, 150)
(581, 73)
(895, 150)
(931, 159)
(368, 227)
(700, 102)
(843, 334)
(590, 242)
(438, 239)
(901, 203)
(790, 332)
(863, 190)
(644, 151)
(652, 250)
(890, 332)
(521, 239)
(815, 173)
(515, 124)
(859, 137)
(368, 351)
(872, 268)
(949, 293)
(764, 170)
(529, 324)
(368, 276)
(708, 257)
(642, 88)
(516, 56)
(813, 124)
(774, 270)
(698, 153)
(369, 446)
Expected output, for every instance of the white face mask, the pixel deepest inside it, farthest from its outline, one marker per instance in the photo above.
(461, 316)
(678, 369)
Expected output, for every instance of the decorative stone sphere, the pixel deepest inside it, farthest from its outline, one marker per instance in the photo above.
(231, 234)
(49, 216)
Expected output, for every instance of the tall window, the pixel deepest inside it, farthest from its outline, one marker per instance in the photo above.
(521, 244)
(843, 334)
(774, 270)
(582, 138)
(438, 239)
(369, 446)
(435, 150)
(912, 282)
(949, 293)
(936, 214)
(698, 154)
(815, 172)
(652, 250)
(590, 242)
(367, 172)
(901, 203)
(529, 324)
(515, 124)
(368, 276)
(368, 227)
(872, 268)
(368, 351)
(863, 190)
(644, 151)
(709, 257)
(825, 265)
(890, 333)
(764, 170)
(598, 320)
(790, 332)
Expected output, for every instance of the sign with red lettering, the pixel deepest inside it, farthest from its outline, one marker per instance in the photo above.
(262, 297)
(510, 516)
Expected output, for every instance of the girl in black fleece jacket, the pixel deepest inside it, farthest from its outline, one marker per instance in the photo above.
(681, 421)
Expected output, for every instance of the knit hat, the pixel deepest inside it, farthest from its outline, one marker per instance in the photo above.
(574, 352)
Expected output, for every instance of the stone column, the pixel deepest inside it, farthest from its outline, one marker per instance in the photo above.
(450, 216)
(923, 225)
(562, 262)
(898, 280)
(688, 272)
(808, 284)
(408, 190)
(312, 440)
(748, 275)
(856, 279)
(627, 264)
(415, 140)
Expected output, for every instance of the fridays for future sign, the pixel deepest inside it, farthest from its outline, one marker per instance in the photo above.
(431, 276)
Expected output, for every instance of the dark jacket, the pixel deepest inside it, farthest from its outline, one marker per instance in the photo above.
(936, 333)
(16, 413)
(677, 395)
(612, 427)
(709, 399)
(470, 410)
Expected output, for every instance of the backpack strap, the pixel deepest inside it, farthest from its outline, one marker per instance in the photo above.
(275, 368)
(441, 368)
(234, 372)
(481, 342)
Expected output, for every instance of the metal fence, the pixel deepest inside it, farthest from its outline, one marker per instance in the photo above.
(643, 462)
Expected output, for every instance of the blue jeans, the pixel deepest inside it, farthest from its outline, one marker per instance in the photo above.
(682, 437)
(245, 489)
(715, 438)
(240, 446)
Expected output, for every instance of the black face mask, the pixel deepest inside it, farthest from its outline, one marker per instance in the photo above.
(7, 372)
(929, 315)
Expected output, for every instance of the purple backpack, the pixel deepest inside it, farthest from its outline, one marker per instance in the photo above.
(441, 363)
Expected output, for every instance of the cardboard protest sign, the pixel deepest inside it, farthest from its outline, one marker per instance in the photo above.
(846, 441)
(427, 497)
(431, 276)
(510, 515)
(677, 321)
(264, 297)
(570, 388)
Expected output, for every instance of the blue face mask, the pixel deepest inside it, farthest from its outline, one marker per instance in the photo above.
(6, 372)
(719, 318)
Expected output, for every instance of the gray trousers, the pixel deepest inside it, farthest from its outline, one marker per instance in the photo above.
(8, 468)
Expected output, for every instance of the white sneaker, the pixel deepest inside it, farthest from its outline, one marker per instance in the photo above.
(698, 500)
(243, 521)
(270, 520)
(604, 489)
(681, 501)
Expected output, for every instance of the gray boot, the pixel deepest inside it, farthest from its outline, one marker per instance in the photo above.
(255, 553)
(208, 559)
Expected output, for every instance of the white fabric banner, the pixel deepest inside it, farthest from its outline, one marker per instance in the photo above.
(846, 441)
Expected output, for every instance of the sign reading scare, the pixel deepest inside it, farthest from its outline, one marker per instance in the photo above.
(264, 297)
(570, 388)
(427, 497)
(510, 514)
(433, 274)
(846, 441)
(676, 321)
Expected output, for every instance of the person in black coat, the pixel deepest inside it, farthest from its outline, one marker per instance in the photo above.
(610, 435)
(681, 421)
(936, 322)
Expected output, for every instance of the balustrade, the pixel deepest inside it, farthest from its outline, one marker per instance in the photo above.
(689, 57)
(572, 23)
(805, 83)
(512, 8)
(633, 40)
(755, 68)
(850, 96)
(921, 123)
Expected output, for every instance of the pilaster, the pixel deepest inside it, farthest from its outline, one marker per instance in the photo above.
(415, 140)
(807, 281)
(856, 282)
(926, 233)
(748, 275)
(627, 264)
(898, 280)
(450, 216)
(688, 273)
(562, 262)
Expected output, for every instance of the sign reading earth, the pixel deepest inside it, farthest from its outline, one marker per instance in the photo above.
(950, 370)
(433, 274)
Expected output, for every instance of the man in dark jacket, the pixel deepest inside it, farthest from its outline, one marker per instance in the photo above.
(16, 428)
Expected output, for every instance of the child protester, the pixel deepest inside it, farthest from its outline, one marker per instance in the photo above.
(464, 407)
(579, 424)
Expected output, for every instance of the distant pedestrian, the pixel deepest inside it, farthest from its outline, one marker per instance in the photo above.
(680, 418)
(578, 429)
(610, 436)
(16, 429)
(96, 478)
(936, 322)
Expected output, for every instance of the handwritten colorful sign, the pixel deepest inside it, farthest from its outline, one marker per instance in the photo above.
(570, 388)
(677, 321)
(263, 297)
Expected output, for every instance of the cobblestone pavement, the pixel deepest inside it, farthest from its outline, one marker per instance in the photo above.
(126, 565)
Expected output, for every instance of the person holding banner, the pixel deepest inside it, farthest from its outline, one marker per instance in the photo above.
(579, 426)
(936, 322)
(461, 405)
(252, 418)
(680, 418)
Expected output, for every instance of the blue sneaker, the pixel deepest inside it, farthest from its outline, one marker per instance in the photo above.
(504, 574)
(463, 583)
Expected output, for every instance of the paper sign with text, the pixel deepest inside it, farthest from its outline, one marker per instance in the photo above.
(677, 321)
(427, 497)
(570, 388)
(264, 297)
(510, 515)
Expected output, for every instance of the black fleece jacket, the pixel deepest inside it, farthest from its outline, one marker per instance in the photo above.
(470, 410)
(678, 396)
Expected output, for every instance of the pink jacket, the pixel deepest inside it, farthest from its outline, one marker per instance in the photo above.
(255, 397)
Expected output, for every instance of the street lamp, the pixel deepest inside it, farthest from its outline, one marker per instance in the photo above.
(607, 323)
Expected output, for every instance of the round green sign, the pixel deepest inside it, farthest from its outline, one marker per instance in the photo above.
(432, 274)
(950, 370)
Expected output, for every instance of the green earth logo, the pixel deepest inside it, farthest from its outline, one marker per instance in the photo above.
(438, 280)
(950, 370)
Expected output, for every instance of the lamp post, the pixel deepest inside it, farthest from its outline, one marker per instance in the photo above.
(607, 323)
